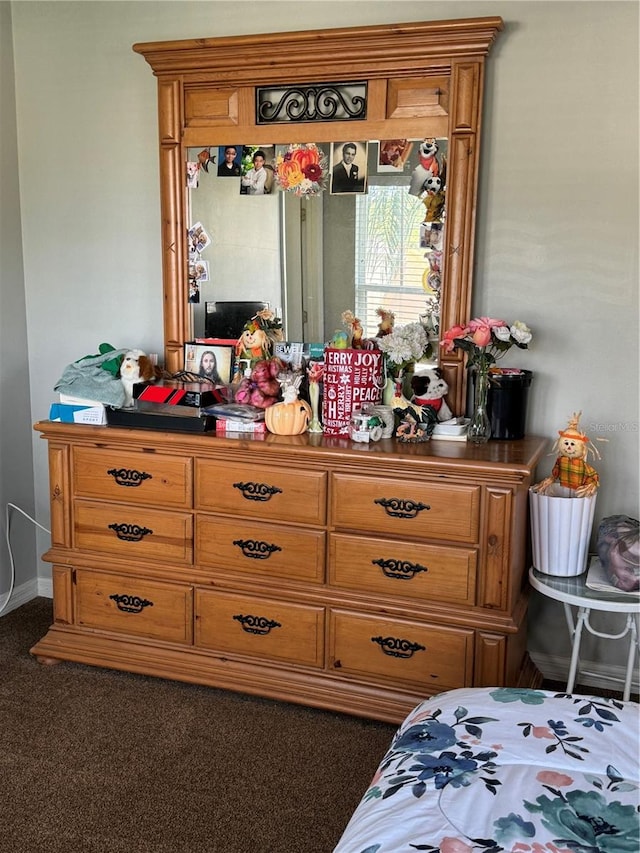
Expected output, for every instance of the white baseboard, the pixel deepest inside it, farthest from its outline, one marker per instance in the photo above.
(45, 587)
(22, 594)
(590, 673)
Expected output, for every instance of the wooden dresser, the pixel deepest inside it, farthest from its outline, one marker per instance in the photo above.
(353, 577)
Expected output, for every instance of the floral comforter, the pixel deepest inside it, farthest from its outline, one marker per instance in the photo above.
(505, 769)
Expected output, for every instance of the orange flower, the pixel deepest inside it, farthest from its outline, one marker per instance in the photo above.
(450, 335)
(481, 335)
(290, 173)
(305, 157)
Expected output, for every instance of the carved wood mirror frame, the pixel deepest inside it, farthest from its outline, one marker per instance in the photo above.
(423, 79)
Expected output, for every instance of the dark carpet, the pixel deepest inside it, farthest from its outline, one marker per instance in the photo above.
(98, 761)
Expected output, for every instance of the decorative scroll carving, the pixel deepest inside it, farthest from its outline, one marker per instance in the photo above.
(316, 102)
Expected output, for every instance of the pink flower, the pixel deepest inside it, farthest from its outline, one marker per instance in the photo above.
(550, 777)
(542, 732)
(315, 371)
(481, 335)
(450, 336)
(485, 321)
(454, 845)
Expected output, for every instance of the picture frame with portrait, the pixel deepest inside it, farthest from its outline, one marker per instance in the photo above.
(348, 167)
(229, 161)
(212, 362)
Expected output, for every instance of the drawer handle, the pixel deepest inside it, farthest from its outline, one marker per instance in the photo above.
(400, 508)
(129, 476)
(256, 550)
(256, 624)
(130, 532)
(130, 603)
(257, 491)
(401, 570)
(396, 647)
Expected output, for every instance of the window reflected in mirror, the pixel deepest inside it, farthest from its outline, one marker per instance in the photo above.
(311, 253)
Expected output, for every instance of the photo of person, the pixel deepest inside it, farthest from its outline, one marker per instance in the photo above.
(431, 235)
(229, 159)
(258, 174)
(348, 167)
(208, 367)
(198, 239)
(194, 291)
(211, 363)
(199, 270)
(192, 175)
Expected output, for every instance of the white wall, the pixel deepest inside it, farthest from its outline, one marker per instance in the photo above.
(557, 242)
(16, 463)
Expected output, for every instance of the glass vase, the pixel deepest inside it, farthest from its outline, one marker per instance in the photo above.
(314, 397)
(479, 431)
(388, 391)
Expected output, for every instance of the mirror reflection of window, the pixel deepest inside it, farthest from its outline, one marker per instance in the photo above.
(390, 264)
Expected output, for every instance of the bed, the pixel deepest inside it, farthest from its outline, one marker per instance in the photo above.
(505, 769)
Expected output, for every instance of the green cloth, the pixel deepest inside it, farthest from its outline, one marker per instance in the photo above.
(111, 364)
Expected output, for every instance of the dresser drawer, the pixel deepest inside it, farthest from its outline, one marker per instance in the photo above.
(260, 627)
(407, 508)
(144, 608)
(252, 547)
(390, 567)
(281, 494)
(141, 478)
(133, 532)
(422, 656)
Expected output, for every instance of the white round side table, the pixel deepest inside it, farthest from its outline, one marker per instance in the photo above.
(574, 591)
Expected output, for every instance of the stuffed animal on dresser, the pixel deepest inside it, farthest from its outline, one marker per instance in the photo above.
(428, 166)
(571, 469)
(136, 367)
(430, 389)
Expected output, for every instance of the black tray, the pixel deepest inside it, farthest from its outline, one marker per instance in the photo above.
(156, 420)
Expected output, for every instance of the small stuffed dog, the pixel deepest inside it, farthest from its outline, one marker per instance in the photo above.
(136, 367)
(430, 389)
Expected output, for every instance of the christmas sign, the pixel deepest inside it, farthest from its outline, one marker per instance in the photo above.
(352, 378)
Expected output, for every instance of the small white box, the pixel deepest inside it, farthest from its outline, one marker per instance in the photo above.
(90, 415)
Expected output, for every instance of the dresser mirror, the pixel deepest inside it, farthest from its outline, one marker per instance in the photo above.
(405, 82)
(313, 255)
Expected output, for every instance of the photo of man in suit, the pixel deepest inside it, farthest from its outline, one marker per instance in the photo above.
(347, 176)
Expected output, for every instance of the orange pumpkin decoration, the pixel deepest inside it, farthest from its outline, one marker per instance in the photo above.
(288, 418)
(291, 416)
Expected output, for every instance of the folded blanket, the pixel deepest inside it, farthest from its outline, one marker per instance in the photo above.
(88, 378)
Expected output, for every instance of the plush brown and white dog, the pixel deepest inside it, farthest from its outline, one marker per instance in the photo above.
(430, 389)
(136, 367)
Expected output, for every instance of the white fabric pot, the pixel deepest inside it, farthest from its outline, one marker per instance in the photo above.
(560, 531)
